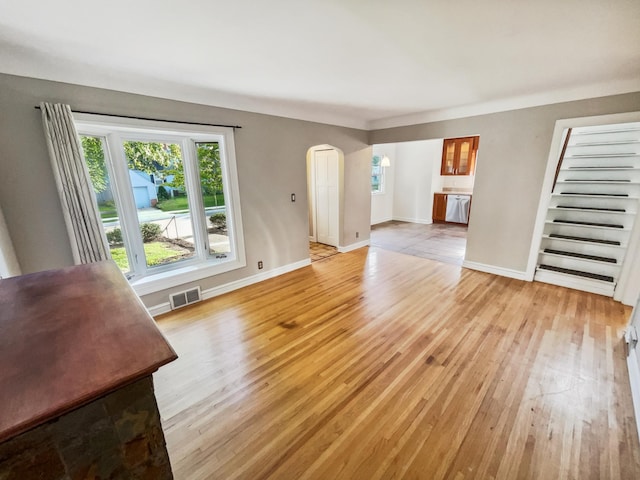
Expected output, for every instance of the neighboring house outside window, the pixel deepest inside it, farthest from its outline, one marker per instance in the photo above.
(377, 175)
(168, 198)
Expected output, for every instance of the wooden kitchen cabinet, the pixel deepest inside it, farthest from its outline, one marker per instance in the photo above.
(459, 156)
(439, 207)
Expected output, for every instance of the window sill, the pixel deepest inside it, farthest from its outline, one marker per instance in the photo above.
(377, 193)
(172, 278)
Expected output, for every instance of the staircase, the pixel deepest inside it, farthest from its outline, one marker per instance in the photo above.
(592, 209)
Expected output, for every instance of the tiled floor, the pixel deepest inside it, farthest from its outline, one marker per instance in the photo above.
(318, 251)
(440, 241)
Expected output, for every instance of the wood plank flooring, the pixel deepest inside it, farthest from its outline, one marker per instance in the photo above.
(377, 365)
(320, 251)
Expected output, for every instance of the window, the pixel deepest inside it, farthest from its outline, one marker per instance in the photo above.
(377, 175)
(168, 198)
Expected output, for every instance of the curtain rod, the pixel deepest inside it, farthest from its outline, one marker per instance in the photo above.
(37, 107)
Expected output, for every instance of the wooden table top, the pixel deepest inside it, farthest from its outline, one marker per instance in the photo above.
(67, 337)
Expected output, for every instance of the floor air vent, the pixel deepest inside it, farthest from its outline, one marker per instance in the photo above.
(182, 299)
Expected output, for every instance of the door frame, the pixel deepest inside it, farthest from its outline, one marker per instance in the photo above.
(311, 191)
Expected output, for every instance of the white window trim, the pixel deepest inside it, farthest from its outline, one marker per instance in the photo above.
(114, 130)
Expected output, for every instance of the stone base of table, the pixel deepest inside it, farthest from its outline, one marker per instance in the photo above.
(118, 436)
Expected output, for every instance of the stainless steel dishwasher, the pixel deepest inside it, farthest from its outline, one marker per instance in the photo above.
(458, 208)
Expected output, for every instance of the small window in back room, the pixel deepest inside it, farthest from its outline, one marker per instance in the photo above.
(377, 175)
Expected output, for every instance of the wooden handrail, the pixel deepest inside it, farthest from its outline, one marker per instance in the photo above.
(564, 149)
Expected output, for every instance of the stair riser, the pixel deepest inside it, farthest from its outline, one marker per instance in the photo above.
(599, 234)
(586, 249)
(629, 136)
(618, 175)
(570, 281)
(589, 188)
(580, 265)
(622, 160)
(629, 205)
(593, 217)
(613, 149)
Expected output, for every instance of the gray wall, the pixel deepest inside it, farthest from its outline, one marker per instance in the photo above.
(271, 158)
(514, 148)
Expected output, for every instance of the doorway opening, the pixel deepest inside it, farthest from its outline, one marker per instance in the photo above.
(423, 207)
(325, 191)
(440, 242)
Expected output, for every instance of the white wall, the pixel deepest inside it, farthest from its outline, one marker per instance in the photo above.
(457, 181)
(417, 164)
(382, 203)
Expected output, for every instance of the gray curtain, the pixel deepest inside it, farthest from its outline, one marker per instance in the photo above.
(86, 234)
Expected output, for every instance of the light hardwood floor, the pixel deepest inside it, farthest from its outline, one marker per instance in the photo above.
(377, 365)
(320, 251)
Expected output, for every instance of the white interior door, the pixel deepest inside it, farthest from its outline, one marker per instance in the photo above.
(326, 175)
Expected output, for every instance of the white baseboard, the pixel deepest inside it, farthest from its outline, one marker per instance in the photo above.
(634, 380)
(424, 221)
(159, 309)
(237, 284)
(353, 246)
(501, 271)
(381, 220)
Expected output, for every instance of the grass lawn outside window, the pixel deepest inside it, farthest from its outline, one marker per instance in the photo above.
(180, 203)
(157, 253)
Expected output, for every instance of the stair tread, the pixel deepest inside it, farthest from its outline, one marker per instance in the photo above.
(589, 224)
(585, 239)
(624, 180)
(594, 209)
(584, 256)
(605, 143)
(604, 167)
(603, 132)
(603, 155)
(576, 180)
(579, 273)
(618, 195)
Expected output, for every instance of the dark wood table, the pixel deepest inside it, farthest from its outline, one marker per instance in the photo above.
(69, 338)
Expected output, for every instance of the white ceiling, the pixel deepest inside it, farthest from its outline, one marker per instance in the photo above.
(360, 63)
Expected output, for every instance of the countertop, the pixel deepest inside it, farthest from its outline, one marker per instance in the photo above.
(67, 337)
(454, 193)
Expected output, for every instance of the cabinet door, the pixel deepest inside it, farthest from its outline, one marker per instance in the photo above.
(464, 147)
(439, 207)
(448, 157)
(459, 156)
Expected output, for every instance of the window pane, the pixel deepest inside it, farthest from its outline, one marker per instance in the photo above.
(93, 148)
(376, 174)
(156, 174)
(215, 206)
